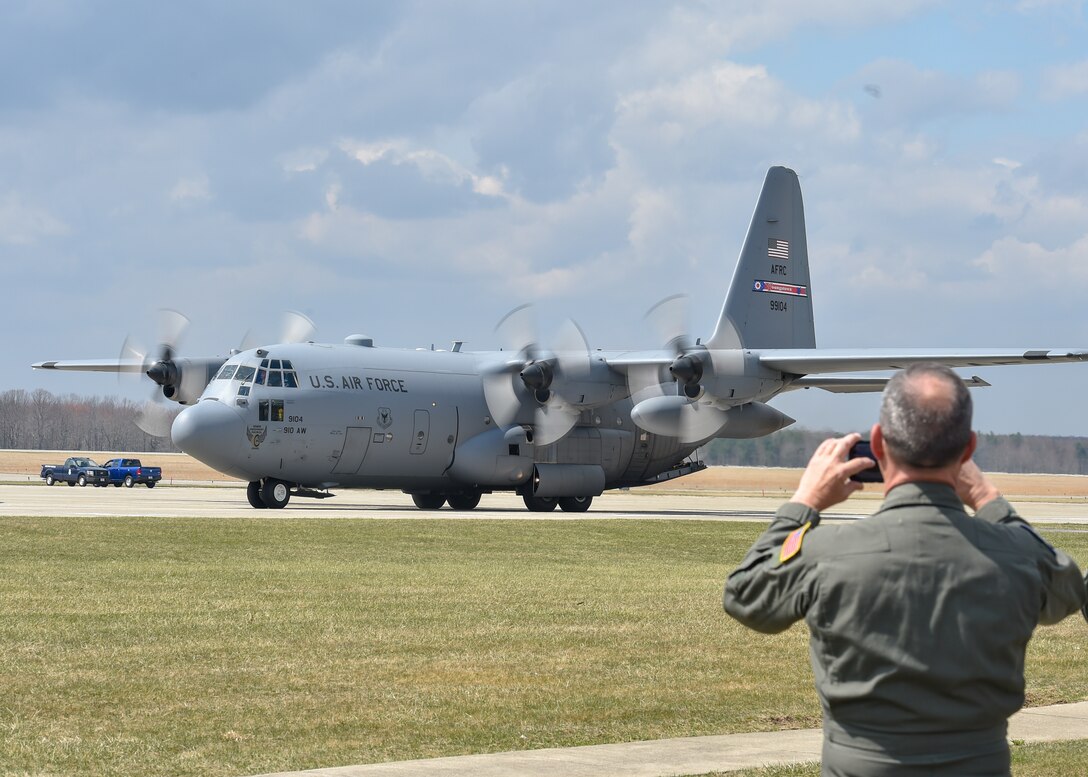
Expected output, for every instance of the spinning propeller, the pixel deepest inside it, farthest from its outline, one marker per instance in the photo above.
(533, 387)
(180, 379)
(669, 399)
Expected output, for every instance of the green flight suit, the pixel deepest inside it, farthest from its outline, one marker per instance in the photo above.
(919, 617)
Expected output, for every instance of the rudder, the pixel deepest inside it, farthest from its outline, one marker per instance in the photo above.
(769, 303)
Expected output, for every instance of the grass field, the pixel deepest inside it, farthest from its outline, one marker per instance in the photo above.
(230, 647)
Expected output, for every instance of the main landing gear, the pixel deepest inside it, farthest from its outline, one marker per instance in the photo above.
(469, 500)
(569, 504)
(465, 500)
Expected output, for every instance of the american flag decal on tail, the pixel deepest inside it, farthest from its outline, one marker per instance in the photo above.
(778, 249)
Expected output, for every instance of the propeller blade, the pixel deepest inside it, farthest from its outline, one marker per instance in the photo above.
(501, 395)
(552, 421)
(172, 327)
(572, 348)
(669, 319)
(155, 418)
(517, 329)
(297, 327)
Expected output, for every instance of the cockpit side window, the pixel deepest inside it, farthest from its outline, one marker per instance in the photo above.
(227, 372)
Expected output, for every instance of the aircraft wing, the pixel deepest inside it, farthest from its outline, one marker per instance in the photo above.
(91, 365)
(858, 385)
(822, 360)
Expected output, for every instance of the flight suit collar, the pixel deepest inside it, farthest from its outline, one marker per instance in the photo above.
(922, 493)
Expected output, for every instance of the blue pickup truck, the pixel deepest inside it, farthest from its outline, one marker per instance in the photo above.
(129, 472)
(76, 471)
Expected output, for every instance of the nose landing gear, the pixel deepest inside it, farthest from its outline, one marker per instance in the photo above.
(269, 493)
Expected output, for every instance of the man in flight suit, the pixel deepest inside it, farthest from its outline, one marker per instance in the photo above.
(919, 615)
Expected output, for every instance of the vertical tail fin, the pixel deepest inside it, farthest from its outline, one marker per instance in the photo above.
(769, 304)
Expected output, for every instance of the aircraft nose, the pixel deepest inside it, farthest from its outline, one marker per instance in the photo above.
(211, 432)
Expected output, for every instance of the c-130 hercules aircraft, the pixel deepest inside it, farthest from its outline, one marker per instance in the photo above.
(558, 427)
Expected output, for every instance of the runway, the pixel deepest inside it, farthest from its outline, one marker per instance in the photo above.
(229, 501)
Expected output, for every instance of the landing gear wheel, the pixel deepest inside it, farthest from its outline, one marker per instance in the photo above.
(275, 493)
(575, 504)
(464, 501)
(49, 479)
(253, 493)
(539, 504)
(129, 481)
(82, 481)
(428, 501)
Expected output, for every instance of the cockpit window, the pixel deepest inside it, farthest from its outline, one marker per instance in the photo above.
(245, 374)
(261, 373)
(289, 380)
(227, 372)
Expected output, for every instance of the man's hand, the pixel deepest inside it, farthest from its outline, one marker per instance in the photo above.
(826, 480)
(973, 487)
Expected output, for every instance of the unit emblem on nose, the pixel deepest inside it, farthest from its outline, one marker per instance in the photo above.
(257, 434)
(385, 417)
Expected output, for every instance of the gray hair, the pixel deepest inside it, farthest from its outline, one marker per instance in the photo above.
(921, 428)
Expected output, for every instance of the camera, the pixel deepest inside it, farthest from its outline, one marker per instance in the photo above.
(863, 450)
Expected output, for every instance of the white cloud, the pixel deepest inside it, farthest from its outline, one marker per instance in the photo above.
(433, 165)
(1065, 82)
(22, 224)
(195, 188)
(1022, 266)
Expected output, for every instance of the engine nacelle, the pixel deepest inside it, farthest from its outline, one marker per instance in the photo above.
(184, 380)
(753, 419)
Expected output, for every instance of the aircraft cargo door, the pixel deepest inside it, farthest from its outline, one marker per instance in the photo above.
(356, 444)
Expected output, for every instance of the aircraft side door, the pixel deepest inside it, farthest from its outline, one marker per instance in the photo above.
(356, 445)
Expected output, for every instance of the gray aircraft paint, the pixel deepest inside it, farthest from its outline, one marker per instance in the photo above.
(424, 421)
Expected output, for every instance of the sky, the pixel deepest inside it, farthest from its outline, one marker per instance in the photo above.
(413, 171)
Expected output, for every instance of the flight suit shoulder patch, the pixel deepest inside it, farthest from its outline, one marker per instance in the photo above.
(792, 544)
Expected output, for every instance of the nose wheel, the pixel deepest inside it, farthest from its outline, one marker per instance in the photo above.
(270, 493)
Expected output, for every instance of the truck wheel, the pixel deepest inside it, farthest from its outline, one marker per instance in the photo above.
(275, 493)
(82, 481)
(49, 479)
(129, 482)
(151, 484)
(72, 483)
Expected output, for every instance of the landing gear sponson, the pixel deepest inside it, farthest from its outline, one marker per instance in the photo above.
(468, 500)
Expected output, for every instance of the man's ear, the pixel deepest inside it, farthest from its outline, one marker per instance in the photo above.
(876, 439)
(969, 451)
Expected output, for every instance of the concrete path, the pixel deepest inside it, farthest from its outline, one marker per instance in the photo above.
(688, 756)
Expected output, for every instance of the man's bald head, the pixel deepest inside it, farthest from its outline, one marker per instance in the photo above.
(925, 416)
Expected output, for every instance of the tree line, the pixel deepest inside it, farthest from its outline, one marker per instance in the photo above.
(996, 452)
(39, 420)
